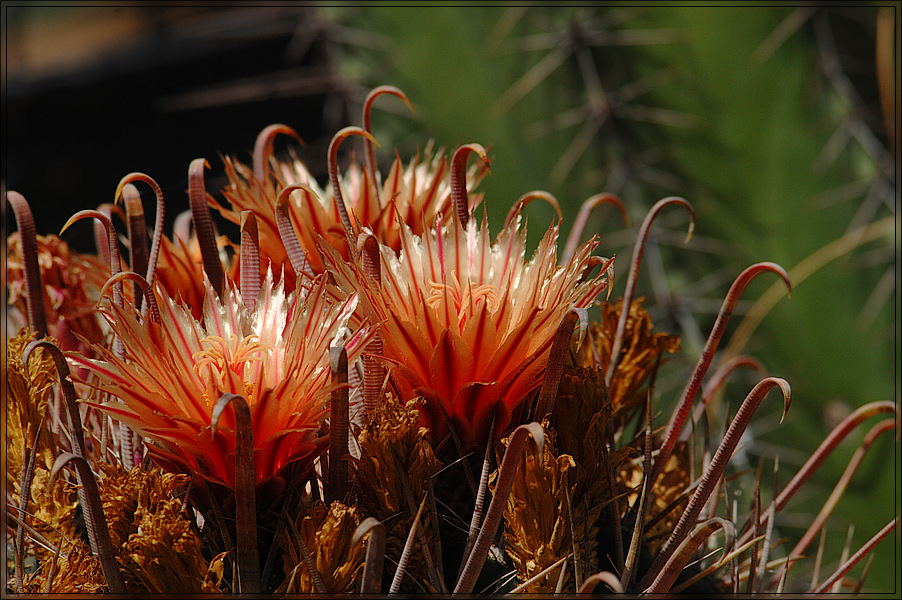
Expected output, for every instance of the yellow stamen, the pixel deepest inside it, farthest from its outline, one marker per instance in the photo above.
(222, 364)
(465, 301)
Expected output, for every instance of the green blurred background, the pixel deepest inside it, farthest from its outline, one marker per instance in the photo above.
(770, 121)
(778, 124)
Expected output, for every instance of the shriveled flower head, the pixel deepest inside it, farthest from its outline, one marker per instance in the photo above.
(639, 357)
(76, 572)
(175, 370)
(468, 323)
(395, 453)
(157, 549)
(537, 532)
(28, 400)
(69, 282)
(327, 532)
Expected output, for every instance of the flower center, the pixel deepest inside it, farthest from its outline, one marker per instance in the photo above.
(222, 363)
(462, 302)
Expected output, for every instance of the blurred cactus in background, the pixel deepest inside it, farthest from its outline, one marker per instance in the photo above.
(777, 123)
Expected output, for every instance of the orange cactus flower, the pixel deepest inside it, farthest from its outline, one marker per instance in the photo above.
(419, 193)
(176, 368)
(468, 324)
(180, 272)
